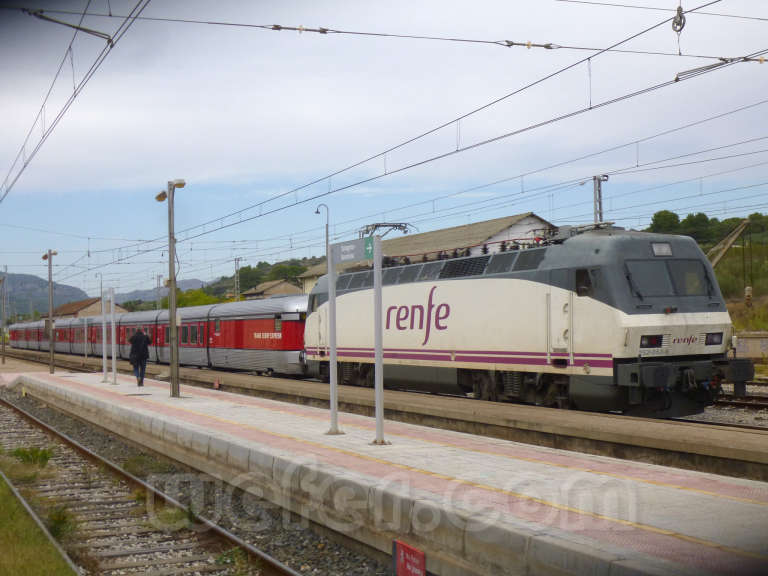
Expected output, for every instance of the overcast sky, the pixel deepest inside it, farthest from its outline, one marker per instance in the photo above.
(244, 114)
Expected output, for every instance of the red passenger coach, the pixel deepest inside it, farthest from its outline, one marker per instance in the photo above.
(259, 335)
(256, 335)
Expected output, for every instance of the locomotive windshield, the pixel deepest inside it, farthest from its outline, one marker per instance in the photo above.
(672, 277)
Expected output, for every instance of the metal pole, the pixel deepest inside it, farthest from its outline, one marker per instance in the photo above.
(113, 334)
(51, 327)
(103, 334)
(5, 291)
(237, 279)
(333, 360)
(85, 339)
(596, 187)
(378, 344)
(174, 344)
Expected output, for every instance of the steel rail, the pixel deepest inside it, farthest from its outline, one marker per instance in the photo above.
(752, 402)
(271, 562)
(685, 420)
(40, 524)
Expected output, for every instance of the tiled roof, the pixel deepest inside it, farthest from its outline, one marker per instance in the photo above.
(71, 308)
(444, 240)
(266, 286)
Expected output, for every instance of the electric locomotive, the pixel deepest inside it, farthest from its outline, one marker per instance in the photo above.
(603, 319)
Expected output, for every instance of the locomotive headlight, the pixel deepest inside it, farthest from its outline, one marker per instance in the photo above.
(714, 339)
(651, 341)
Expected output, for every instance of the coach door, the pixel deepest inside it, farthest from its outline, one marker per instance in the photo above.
(560, 318)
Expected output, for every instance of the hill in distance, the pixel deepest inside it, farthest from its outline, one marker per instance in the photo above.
(28, 294)
(150, 295)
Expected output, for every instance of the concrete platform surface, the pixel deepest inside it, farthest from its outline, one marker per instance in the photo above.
(476, 505)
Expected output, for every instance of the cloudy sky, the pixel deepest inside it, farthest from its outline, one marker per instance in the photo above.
(261, 123)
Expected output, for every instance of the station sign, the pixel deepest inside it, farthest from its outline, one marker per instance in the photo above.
(407, 560)
(352, 250)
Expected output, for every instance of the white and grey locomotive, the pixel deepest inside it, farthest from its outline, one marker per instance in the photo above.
(605, 320)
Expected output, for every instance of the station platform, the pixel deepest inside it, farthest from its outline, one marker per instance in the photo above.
(475, 505)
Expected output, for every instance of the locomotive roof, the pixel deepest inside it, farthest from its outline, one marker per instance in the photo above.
(585, 249)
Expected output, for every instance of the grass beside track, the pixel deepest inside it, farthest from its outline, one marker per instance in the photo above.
(25, 549)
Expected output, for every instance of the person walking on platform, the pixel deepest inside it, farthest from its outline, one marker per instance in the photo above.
(139, 355)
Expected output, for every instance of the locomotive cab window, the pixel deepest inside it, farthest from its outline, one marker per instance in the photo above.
(313, 303)
(583, 282)
(689, 277)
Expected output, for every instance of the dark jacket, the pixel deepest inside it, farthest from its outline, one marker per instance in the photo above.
(139, 348)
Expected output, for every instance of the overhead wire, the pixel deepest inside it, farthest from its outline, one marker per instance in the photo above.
(326, 31)
(659, 9)
(220, 219)
(422, 135)
(40, 114)
(8, 182)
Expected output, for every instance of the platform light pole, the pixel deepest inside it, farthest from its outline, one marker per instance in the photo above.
(174, 333)
(51, 334)
(332, 362)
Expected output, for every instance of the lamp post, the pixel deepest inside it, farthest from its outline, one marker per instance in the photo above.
(51, 334)
(332, 362)
(174, 343)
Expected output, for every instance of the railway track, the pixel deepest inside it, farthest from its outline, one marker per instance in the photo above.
(103, 512)
(752, 402)
(687, 420)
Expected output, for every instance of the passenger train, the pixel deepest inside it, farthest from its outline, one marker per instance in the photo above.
(255, 335)
(607, 320)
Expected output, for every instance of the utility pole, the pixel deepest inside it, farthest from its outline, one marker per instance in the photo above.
(5, 291)
(598, 184)
(237, 279)
(51, 325)
(159, 284)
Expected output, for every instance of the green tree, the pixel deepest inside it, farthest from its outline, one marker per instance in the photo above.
(198, 297)
(288, 272)
(665, 222)
(697, 226)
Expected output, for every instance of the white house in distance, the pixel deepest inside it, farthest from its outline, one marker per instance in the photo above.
(470, 239)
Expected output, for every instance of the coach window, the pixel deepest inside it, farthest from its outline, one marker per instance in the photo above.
(193, 334)
(184, 334)
(167, 334)
(278, 324)
(217, 326)
(583, 282)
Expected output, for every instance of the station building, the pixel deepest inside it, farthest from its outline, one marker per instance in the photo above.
(81, 309)
(485, 237)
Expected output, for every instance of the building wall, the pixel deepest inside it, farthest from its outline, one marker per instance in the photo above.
(95, 310)
(308, 283)
(527, 228)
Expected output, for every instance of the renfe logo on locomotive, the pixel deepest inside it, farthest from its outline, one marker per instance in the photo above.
(405, 316)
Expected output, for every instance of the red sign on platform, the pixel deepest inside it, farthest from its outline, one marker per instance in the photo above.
(409, 561)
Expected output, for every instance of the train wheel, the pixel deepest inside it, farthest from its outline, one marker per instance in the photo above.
(484, 386)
